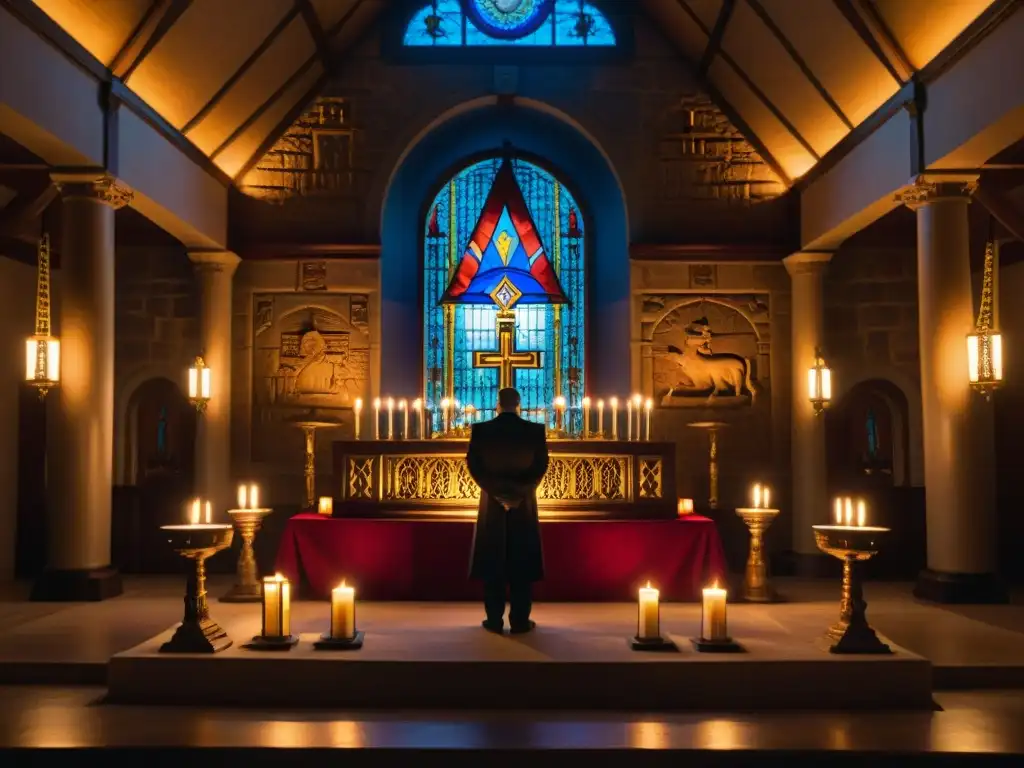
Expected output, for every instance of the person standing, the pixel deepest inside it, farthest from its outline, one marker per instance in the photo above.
(507, 458)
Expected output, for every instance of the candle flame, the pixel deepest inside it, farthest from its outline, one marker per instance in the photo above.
(614, 402)
(279, 578)
(861, 512)
(849, 510)
(391, 403)
(359, 403)
(208, 513)
(417, 403)
(194, 516)
(600, 404)
(637, 399)
(648, 585)
(376, 403)
(586, 402)
(649, 404)
(839, 511)
(402, 405)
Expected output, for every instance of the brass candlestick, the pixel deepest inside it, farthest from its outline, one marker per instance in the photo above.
(309, 425)
(756, 587)
(247, 587)
(198, 633)
(851, 544)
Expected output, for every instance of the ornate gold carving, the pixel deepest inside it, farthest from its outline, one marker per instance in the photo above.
(650, 477)
(360, 477)
(926, 190)
(104, 188)
(446, 479)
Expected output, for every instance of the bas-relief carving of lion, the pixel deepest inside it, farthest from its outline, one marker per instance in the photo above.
(722, 374)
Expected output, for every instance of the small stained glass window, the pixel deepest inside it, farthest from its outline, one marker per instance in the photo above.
(520, 23)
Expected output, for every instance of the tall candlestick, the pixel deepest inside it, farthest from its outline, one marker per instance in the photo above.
(277, 601)
(648, 624)
(403, 406)
(713, 625)
(600, 417)
(417, 405)
(391, 418)
(637, 403)
(343, 612)
(648, 406)
(376, 418)
(629, 419)
(358, 413)
(586, 417)
(614, 402)
(445, 406)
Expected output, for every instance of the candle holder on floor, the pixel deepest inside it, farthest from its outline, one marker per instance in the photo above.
(198, 633)
(651, 644)
(328, 643)
(247, 586)
(851, 544)
(276, 621)
(648, 623)
(756, 586)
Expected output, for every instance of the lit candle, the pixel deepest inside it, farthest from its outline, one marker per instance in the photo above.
(193, 518)
(648, 406)
(243, 495)
(757, 496)
(417, 405)
(277, 596)
(614, 402)
(861, 512)
(586, 417)
(343, 612)
(839, 511)
(648, 625)
(391, 418)
(684, 507)
(254, 497)
(559, 412)
(326, 505)
(849, 511)
(358, 414)
(445, 405)
(404, 408)
(376, 418)
(713, 625)
(209, 515)
(637, 403)
(600, 417)
(629, 419)
(765, 498)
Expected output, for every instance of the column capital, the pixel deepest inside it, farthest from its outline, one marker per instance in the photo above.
(802, 262)
(931, 187)
(214, 261)
(92, 185)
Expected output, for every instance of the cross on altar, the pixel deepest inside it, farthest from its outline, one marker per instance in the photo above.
(507, 359)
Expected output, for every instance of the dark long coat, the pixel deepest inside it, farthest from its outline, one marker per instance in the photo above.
(507, 458)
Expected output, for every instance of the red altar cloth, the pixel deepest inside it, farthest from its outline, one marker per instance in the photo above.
(429, 560)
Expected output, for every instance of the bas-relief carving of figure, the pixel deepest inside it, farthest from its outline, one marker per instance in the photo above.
(688, 371)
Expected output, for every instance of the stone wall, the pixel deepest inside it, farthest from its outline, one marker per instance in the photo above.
(686, 172)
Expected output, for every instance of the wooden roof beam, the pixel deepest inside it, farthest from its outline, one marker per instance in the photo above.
(155, 24)
(874, 33)
(316, 30)
(715, 35)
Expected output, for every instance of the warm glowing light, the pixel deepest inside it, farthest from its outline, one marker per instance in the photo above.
(684, 507)
(819, 383)
(325, 505)
(985, 361)
(199, 384)
(713, 621)
(648, 619)
(276, 606)
(861, 513)
(42, 361)
(343, 611)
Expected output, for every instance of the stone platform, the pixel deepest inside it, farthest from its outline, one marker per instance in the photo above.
(437, 656)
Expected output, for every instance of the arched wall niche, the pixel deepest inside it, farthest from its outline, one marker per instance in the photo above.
(153, 413)
(472, 130)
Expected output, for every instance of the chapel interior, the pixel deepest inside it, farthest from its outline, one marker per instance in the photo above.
(739, 257)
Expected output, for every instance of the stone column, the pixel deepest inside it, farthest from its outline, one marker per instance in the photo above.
(214, 271)
(808, 468)
(81, 448)
(958, 439)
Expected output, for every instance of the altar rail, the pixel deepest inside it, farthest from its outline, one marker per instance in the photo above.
(591, 479)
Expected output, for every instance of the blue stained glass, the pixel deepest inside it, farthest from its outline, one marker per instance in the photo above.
(557, 217)
(562, 23)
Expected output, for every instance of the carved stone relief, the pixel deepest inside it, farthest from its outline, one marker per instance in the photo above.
(707, 350)
(312, 275)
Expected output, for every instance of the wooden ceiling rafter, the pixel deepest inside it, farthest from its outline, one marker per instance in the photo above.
(316, 29)
(239, 73)
(875, 39)
(1000, 207)
(292, 114)
(808, 73)
(158, 20)
(715, 35)
(880, 28)
(758, 93)
(27, 208)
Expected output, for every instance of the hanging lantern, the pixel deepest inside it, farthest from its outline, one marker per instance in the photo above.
(985, 345)
(42, 351)
(819, 383)
(199, 385)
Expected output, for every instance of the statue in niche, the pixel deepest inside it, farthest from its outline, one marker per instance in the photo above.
(690, 371)
(315, 374)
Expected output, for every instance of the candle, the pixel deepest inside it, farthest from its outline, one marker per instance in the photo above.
(559, 412)
(839, 511)
(376, 418)
(358, 414)
(712, 622)
(600, 417)
(614, 402)
(756, 494)
(861, 512)
(404, 408)
(648, 626)
(637, 402)
(193, 517)
(648, 405)
(586, 417)
(629, 419)
(208, 513)
(243, 495)
(254, 497)
(391, 418)
(684, 507)
(417, 405)
(277, 598)
(445, 405)
(343, 612)
(766, 497)
(849, 511)
(326, 505)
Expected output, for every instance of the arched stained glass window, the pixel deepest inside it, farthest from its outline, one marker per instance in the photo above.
(491, 23)
(478, 217)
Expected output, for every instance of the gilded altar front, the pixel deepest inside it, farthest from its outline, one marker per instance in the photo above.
(585, 479)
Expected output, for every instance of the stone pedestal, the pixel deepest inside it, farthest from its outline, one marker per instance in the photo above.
(214, 271)
(80, 455)
(958, 438)
(810, 492)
